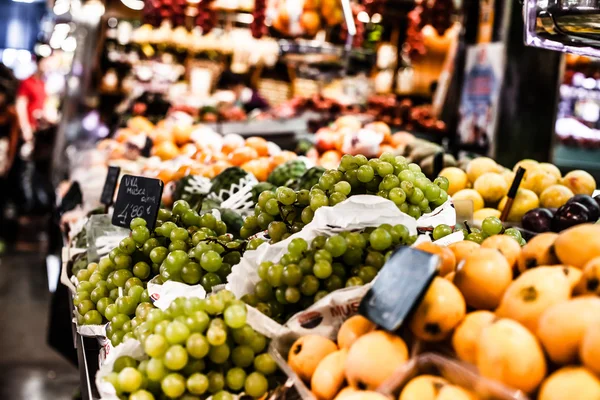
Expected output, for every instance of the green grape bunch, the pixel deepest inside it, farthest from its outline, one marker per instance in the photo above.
(184, 247)
(489, 227)
(284, 212)
(197, 348)
(305, 274)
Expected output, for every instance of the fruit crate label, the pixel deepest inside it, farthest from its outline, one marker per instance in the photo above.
(399, 287)
(110, 184)
(138, 197)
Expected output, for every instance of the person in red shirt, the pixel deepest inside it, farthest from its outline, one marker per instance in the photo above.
(31, 97)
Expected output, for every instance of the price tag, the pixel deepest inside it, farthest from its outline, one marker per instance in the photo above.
(399, 287)
(138, 197)
(110, 184)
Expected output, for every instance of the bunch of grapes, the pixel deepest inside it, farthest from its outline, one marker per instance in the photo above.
(489, 227)
(192, 248)
(306, 274)
(285, 211)
(184, 247)
(197, 347)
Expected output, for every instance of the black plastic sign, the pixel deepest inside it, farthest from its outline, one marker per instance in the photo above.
(138, 197)
(399, 287)
(110, 184)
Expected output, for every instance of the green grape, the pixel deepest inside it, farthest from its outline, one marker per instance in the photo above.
(365, 173)
(149, 245)
(208, 221)
(176, 357)
(141, 270)
(126, 305)
(141, 395)
(389, 182)
(131, 282)
(197, 383)
(242, 356)
(417, 196)
(190, 218)
(155, 345)
(367, 273)
(173, 385)
(336, 198)
(399, 233)
(235, 378)
(309, 285)
(118, 320)
(83, 275)
(280, 295)
(85, 306)
(235, 316)
(514, 233)
(336, 245)
(318, 200)
(292, 295)
(158, 254)
(414, 167)
(414, 211)
(407, 175)
(322, 269)
(216, 381)
(191, 273)
(354, 281)
(129, 379)
(155, 369)
(385, 168)
(275, 275)
(442, 182)
(123, 362)
(353, 256)
(297, 246)
(92, 317)
(292, 275)
(492, 226)
(286, 196)
(264, 197)
(259, 343)
(432, 192)
(348, 163)
(211, 261)
(397, 195)
(333, 283)
(440, 231)
(323, 254)
(342, 187)
(272, 207)
(102, 304)
(98, 293)
(110, 311)
(263, 291)
(177, 332)
(216, 335)
(476, 237)
(380, 239)
(276, 230)
(256, 385)
(137, 222)
(219, 354)
(265, 364)
(197, 345)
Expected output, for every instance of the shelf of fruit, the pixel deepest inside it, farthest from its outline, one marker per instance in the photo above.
(520, 318)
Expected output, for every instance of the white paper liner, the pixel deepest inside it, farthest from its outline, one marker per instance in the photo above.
(163, 295)
(355, 213)
(444, 214)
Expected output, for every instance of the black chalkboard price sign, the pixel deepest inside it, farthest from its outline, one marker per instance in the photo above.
(399, 287)
(138, 197)
(110, 184)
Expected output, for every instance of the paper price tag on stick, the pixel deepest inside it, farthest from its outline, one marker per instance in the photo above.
(138, 197)
(399, 287)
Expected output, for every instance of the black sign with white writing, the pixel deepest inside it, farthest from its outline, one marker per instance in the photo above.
(110, 184)
(138, 197)
(399, 287)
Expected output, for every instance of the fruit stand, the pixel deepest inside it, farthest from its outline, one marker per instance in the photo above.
(250, 276)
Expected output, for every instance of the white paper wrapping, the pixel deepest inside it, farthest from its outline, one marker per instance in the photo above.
(163, 295)
(444, 214)
(356, 213)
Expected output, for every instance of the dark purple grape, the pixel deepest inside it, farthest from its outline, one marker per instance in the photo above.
(538, 220)
(589, 203)
(569, 215)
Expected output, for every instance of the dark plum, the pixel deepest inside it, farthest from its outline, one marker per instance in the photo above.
(569, 215)
(589, 203)
(537, 220)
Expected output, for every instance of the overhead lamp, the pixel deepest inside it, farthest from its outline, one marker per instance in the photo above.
(134, 4)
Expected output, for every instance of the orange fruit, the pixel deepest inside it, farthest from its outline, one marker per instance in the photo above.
(462, 249)
(281, 158)
(258, 167)
(330, 159)
(447, 257)
(467, 333)
(259, 144)
(506, 245)
(242, 155)
(182, 134)
(231, 142)
(189, 149)
(570, 383)
(165, 150)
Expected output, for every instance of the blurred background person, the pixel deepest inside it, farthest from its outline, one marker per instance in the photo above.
(9, 138)
(31, 98)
